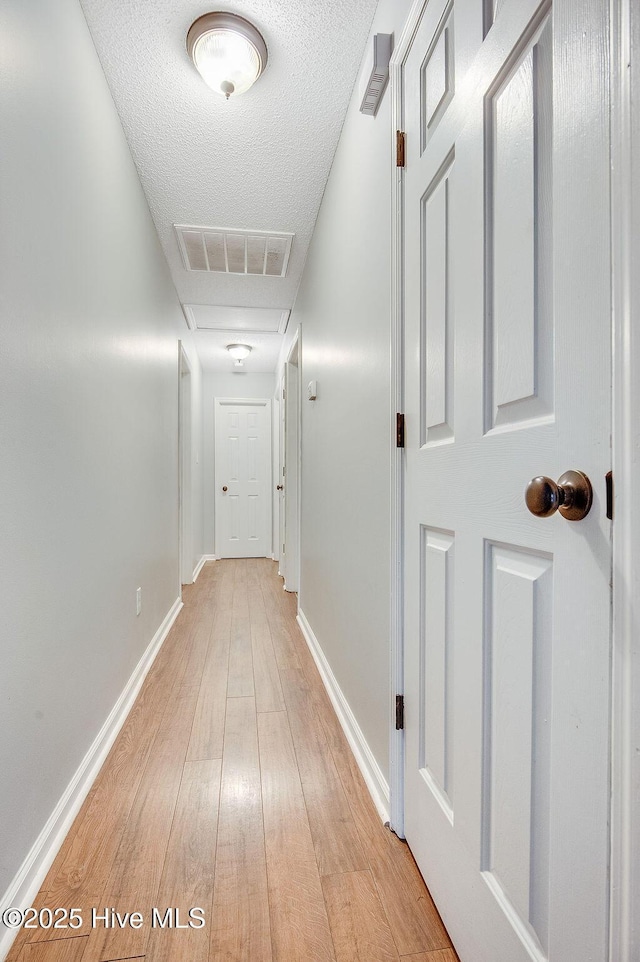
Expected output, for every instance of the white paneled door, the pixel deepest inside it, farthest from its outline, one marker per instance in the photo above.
(507, 377)
(243, 478)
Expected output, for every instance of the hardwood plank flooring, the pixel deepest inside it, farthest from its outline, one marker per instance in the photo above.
(187, 879)
(358, 924)
(300, 928)
(60, 950)
(239, 926)
(207, 734)
(232, 788)
(335, 837)
(441, 955)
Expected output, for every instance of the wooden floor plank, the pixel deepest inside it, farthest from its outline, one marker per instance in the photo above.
(266, 677)
(413, 918)
(60, 950)
(299, 926)
(240, 683)
(207, 735)
(135, 877)
(335, 838)
(286, 823)
(188, 873)
(240, 927)
(284, 644)
(440, 955)
(359, 927)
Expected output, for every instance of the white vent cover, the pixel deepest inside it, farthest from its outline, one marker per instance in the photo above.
(376, 73)
(222, 250)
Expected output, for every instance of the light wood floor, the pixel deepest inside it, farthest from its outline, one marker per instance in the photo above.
(231, 787)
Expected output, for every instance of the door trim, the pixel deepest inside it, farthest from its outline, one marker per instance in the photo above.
(185, 466)
(625, 232)
(397, 459)
(250, 401)
(295, 348)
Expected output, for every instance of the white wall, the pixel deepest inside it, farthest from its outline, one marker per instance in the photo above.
(217, 384)
(88, 429)
(343, 308)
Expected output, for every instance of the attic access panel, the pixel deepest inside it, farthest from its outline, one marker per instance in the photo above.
(225, 251)
(209, 317)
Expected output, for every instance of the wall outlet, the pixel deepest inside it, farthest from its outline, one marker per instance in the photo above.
(138, 600)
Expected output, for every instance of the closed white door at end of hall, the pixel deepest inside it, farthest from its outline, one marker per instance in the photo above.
(242, 478)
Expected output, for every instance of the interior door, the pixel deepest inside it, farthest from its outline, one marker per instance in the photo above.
(507, 377)
(243, 478)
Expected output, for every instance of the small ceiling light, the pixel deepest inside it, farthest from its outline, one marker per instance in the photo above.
(239, 352)
(228, 51)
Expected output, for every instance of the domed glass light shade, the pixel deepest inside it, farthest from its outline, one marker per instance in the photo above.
(228, 51)
(239, 352)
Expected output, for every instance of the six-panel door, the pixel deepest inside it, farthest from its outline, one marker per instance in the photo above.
(243, 478)
(507, 348)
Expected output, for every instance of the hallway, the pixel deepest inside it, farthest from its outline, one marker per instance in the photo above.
(231, 787)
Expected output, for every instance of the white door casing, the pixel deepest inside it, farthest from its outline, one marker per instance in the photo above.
(281, 476)
(507, 376)
(291, 478)
(276, 493)
(185, 456)
(243, 467)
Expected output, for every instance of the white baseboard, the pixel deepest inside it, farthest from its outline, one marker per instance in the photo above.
(203, 560)
(31, 874)
(371, 771)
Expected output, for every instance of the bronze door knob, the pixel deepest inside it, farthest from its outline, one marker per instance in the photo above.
(572, 496)
(224, 487)
(279, 487)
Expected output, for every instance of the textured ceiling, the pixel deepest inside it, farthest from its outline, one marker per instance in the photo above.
(257, 162)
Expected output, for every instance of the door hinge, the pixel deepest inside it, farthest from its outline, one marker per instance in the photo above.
(609, 483)
(399, 712)
(400, 144)
(399, 430)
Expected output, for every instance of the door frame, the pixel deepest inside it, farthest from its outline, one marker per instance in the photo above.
(293, 583)
(244, 401)
(625, 695)
(625, 242)
(281, 505)
(275, 476)
(185, 513)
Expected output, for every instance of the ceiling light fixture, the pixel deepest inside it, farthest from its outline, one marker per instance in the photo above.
(239, 352)
(228, 51)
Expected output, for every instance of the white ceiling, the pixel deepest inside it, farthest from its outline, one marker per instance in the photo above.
(258, 162)
(213, 354)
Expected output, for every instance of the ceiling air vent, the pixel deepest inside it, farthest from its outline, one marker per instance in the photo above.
(224, 251)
